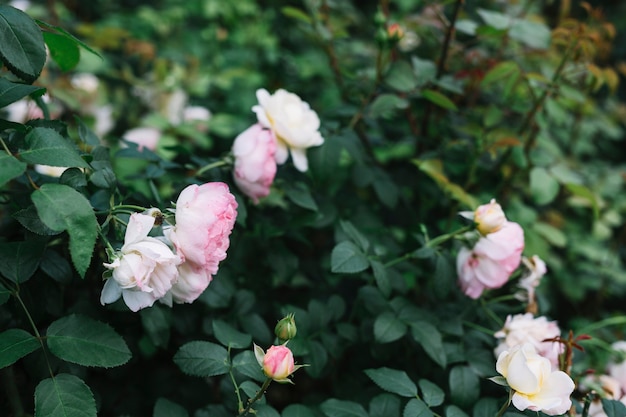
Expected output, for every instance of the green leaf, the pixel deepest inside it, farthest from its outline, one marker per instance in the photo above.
(417, 408)
(4, 294)
(29, 218)
(22, 48)
(543, 187)
(86, 134)
(63, 50)
(431, 393)
(354, 235)
(300, 195)
(503, 70)
(454, 411)
(11, 168)
(317, 358)
(385, 405)
(156, 322)
(64, 396)
(46, 146)
(82, 340)
(339, 408)
(464, 386)
(19, 260)
(11, 92)
(533, 34)
(229, 336)
(64, 32)
(388, 328)
(494, 19)
(587, 194)
(63, 208)
(246, 364)
(297, 410)
(347, 258)
(613, 408)
(15, 344)
(296, 13)
(265, 410)
(394, 381)
(401, 77)
(385, 106)
(429, 337)
(166, 408)
(555, 236)
(439, 99)
(204, 359)
(434, 169)
(382, 278)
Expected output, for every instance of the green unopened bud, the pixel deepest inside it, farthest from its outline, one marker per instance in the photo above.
(286, 328)
(380, 18)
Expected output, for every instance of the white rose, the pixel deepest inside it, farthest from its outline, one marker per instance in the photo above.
(536, 387)
(489, 218)
(524, 328)
(144, 269)
(294, 124)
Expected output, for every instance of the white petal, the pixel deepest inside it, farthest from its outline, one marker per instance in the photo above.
(136, 300)
(111, 292)
(299, 159)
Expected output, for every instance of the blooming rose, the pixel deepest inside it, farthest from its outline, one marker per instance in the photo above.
(617, 369)
(489, 218)
(277, 362)
(192, 281)
(143, 270)
(492, 260)
(524, 328)
(144, 137)
(255, 166)
(536, 387)
(294, 124)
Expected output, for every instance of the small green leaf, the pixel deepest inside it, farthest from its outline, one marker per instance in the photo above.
(22, 48)
(63, 50)
(251, 389)
(64, 32)
(246, 364)
(500, 380)
(417, 408)
(19, 260)
(401, 77)
(46, 146)
(429, 337)
(156, 322)
(431, 393)
(63, 208)
(339, 408)
(613, 408)
(464, 386)
(553, 235)
(533, 34)
(454, 411)
(385, 405)
(29, 218)
(439, 99)
(11, 168)
(495, 19)
(15, 344)
(204, 359)
(4, 294)
(229, 336)
(543, 187)
(584, 192)
(296, 13)
(354, 235)
(64, 396)
(388, 328)
(300, 195)
(347, 258)
(394, 381)
(166, 408)
(385, 105)
(502, 70)
(11, 92)
(297, 410)
(382, 278)
(82, 340)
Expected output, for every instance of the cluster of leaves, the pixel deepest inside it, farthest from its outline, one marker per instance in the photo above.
(468, 103)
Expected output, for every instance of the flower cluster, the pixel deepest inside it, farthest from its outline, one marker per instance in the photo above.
(496, 254)
(286, 125)
(179, 265)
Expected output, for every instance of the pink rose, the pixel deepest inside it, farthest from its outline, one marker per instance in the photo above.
(277, 362)
(192, 281)
(255, 166)
(489, 218)
(492, 260)
(144, 137)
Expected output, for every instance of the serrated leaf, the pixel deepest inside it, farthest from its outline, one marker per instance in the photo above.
(29, 218)
(229, 336)
(11, 92)
(156, 321)
(46, 146)
(166, 408)
(347, 258)
(354, 235)
(247, 364)
(417, 408)
(464, 386)
(613, 408)
(430, 339)
(300, 195)
(22, 48)
(394, 381)
(15, 344)
(19, 260)
(297, 410)
(385, 405)
(88, 342)
(381, 277)
(339, 408)
(11, 168)
(439, 99)
(64, 396)
(431, 393)
(62, 208)
(204, 359)
(251, 389)
(63, 50)
(388, 328)
(454, 411)
(62, 31)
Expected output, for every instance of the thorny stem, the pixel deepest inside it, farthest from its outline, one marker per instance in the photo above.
(258, 396)
(232, 378)
(441, 65)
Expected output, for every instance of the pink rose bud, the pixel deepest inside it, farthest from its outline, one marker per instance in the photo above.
(489, 218)
(255, 166)
(277, 362)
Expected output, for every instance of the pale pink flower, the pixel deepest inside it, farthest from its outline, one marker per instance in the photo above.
(192, 281)
(294, 123)
(535, 385)
(489, 218)
(255, 166)
(492, 260)
(144, 269)
(144, 137)
(524, 328)
(277, 362)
